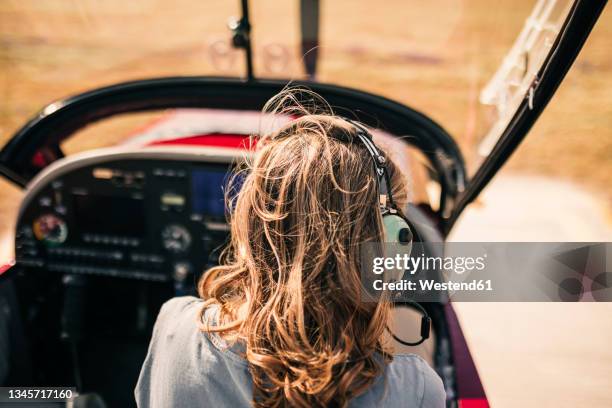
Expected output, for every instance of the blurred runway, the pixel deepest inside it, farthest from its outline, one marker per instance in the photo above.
(539, 354)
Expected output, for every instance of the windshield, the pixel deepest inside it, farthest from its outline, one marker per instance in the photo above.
(452, 60)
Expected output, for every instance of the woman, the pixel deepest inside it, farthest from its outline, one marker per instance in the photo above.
(280, 322)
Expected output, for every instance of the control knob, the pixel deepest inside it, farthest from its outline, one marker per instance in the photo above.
(175, 238)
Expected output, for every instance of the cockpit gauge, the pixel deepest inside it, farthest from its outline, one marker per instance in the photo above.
(176, 238)
(50, 229)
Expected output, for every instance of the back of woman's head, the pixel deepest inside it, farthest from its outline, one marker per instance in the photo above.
(307, 201)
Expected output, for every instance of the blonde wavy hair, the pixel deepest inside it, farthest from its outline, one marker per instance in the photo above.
(288, 284)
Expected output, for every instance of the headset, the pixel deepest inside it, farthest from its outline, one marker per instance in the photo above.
(396, 227)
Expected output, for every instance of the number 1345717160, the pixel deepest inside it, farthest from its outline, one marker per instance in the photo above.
(36, 394)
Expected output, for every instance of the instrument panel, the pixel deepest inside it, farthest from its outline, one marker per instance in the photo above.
(155, 214)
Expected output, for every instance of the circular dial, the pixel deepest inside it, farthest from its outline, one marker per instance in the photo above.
(175, 238)
(50, 229)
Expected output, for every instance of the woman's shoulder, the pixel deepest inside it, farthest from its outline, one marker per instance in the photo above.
(178, 327)
(177, 323)
(410, 371)
(180, 319)
(184, 316)
(177, 305)
(408, 381)
(184, 367)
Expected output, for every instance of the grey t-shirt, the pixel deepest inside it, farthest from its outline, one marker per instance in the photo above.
(186, 367)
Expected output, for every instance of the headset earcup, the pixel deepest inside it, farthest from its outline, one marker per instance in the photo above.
(397, 230)
(398, 241)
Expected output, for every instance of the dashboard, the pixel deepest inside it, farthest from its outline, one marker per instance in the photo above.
(154, 214)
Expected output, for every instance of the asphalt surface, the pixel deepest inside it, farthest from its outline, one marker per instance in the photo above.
(539, 354)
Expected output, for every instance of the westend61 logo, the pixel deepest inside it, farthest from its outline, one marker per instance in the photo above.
(488, 272)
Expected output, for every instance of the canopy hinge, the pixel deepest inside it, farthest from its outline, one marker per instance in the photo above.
(531, 91)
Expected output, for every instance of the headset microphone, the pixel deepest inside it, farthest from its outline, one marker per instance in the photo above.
(425, 326)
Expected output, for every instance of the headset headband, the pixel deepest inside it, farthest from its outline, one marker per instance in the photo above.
(385, 196)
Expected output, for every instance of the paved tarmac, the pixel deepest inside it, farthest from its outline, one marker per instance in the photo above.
(539, 354)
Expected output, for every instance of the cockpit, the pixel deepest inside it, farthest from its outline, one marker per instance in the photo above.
(105, 237)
